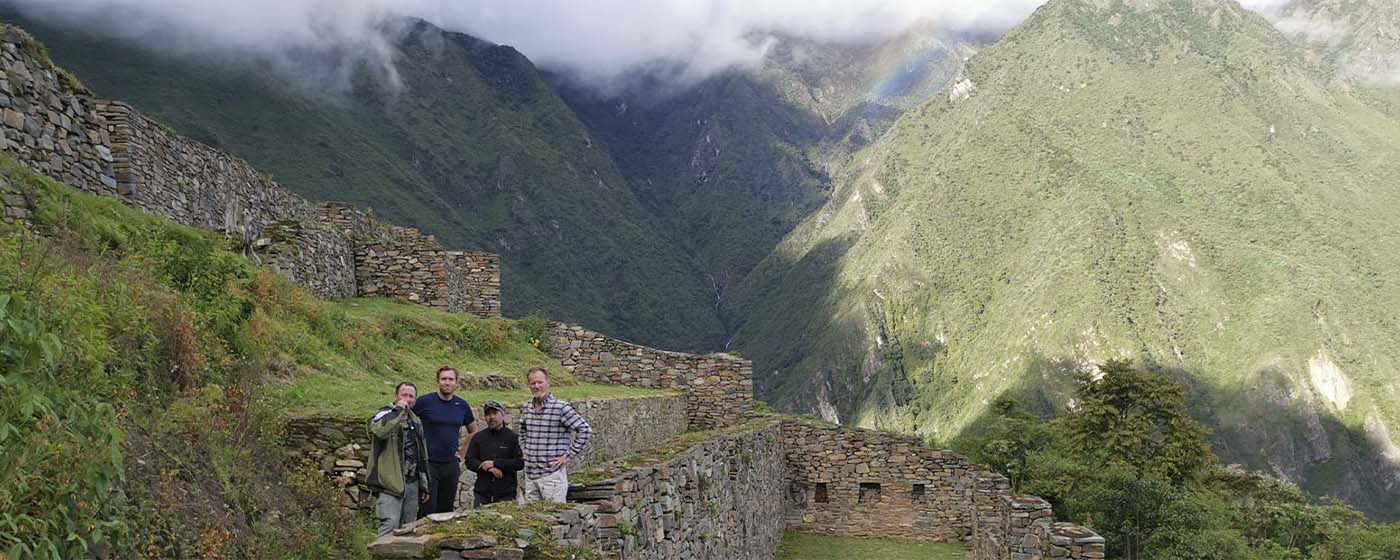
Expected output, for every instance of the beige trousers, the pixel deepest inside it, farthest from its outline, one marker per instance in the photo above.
(553, 487)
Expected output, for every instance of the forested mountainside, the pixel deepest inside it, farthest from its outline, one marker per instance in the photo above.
(1171, 182)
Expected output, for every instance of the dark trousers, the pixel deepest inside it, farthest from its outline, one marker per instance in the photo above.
(483, 499)
(442, 487)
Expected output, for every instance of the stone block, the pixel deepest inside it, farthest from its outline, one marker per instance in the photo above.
(399, 546)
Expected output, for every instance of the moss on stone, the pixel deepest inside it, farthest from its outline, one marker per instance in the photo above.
(661, 453)
(506, 522)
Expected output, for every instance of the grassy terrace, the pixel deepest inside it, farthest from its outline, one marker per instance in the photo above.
(377, 343)
(660, 453)
(807, 546)
(138, 354)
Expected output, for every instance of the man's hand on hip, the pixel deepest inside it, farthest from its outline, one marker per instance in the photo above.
(559, 462)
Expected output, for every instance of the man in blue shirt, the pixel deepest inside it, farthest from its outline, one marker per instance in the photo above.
(443, 417)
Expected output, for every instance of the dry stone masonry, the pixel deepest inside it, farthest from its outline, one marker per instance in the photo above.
(864, 483)
(50, 121)
(732, 494)
(718, 387)
(14, 206)
(193, 184)
(57, 127)
(1023, 528)
(721, 498)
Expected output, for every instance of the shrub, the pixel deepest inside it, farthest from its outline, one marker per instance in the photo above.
(60, 461)
(484, 337)
(535, 329)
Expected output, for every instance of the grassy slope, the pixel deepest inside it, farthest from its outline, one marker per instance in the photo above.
(807, 546)
(1176, 185)
(193, 357)
(475, 149)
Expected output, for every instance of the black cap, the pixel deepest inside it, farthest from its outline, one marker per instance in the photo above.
(496, 405)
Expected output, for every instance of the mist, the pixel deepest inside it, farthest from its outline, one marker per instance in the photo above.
(596, 43)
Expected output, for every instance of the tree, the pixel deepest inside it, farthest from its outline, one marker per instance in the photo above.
(1010, 440)
(1138, 420)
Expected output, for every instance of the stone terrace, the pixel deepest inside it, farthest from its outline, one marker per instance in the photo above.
(732, 492)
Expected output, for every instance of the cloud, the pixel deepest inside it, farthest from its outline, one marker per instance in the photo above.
(317, 41)
(597, 41)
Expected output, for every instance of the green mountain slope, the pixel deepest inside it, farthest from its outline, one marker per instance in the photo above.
(1169, 181)
(736, 161)
(475, 148)
(1360, 37)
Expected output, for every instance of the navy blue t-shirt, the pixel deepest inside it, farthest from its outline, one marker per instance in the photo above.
(441, 422)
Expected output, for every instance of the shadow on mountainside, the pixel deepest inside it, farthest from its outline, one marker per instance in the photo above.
(766, 334)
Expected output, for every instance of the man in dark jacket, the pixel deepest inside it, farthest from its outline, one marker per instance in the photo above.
(494, 455)
(398, 461)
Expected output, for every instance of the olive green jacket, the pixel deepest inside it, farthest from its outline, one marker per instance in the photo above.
(386, 462)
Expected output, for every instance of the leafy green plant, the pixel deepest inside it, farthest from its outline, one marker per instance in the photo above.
(535, 329)
(60, 461)
(626, 527)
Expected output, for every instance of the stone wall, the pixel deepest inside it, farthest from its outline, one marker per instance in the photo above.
(14, 205)
(474, 282)
(312, 254)
(401, 262)
(1023, 528)
(339, 447)
(718, 387)
(55, 126)
(734, 492)
(864, 483)
(50, 122)
(721, 498)
(193, 184)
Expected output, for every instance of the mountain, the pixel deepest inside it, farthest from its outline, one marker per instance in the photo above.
(734, 162)
(1170, 181)
(473, 146)
(1360, 37)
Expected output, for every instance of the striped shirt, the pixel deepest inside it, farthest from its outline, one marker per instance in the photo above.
(556, 429)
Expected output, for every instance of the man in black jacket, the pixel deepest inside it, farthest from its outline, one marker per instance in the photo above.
(494, 455)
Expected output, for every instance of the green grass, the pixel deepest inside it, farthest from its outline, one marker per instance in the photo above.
(809, 546)
(150, 369)
(659, 453)
(352, 368)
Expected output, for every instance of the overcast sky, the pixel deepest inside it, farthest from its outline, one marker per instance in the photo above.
(595, 40)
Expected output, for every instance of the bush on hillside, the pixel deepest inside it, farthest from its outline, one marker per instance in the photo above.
(1119, 463)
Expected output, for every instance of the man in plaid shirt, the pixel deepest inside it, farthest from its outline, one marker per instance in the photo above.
(551, 432)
